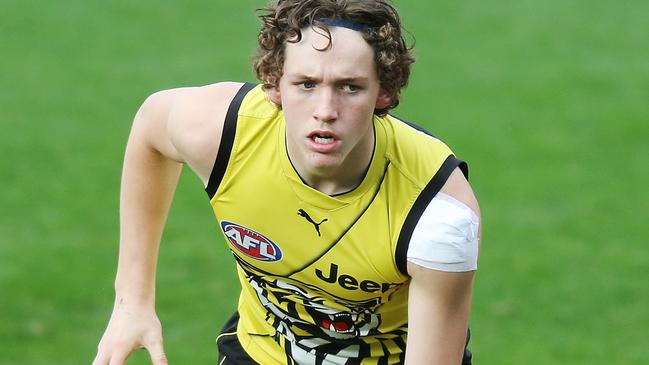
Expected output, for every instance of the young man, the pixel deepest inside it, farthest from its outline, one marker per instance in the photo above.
(355, 234)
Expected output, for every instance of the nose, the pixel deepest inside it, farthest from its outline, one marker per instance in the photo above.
(326, 109)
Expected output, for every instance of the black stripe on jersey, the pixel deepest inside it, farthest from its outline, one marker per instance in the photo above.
(383, 360)
(401, 343)
(289, 359)
(227, 140)
(424, 198)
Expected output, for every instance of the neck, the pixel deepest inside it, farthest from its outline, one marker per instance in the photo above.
(336, 185)
(339, 179)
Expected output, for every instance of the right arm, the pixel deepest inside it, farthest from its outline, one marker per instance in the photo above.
(150, 174)
(172, 128)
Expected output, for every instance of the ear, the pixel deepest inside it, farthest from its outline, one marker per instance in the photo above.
(275, 95)
(383, 100)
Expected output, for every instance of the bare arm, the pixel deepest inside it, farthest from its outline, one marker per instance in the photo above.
(172, 128)
(438, 314)
(439, 303)
(149, 179)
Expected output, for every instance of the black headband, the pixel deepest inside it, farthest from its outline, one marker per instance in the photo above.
(344, 24)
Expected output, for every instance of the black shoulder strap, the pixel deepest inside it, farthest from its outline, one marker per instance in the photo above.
(227, 140)
(424, 198)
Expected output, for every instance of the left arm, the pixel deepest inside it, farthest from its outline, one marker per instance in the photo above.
(439, 302)
(438, 314)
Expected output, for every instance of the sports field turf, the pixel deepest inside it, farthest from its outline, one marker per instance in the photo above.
(547, 100)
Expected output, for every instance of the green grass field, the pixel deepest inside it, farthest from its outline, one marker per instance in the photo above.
(548, 101)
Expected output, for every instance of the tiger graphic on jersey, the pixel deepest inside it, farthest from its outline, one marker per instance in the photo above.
(338, 322)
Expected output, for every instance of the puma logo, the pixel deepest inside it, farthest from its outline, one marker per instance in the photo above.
(303, 213)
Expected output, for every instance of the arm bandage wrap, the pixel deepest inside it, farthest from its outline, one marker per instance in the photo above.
(446, 236)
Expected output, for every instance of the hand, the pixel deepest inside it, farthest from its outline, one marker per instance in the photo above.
(130, 329)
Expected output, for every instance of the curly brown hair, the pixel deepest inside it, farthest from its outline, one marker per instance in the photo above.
(283, 20)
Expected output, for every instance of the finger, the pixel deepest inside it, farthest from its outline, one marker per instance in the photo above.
(157, 353)
(119, 358)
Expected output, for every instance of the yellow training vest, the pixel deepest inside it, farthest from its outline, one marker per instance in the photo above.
(323, 277)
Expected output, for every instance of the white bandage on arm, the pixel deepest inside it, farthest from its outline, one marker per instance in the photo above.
(446, 236)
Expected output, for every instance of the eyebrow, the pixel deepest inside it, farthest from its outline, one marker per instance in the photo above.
(357, 79)
(354, 79)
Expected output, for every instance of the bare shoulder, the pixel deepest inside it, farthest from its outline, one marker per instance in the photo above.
(185, 124)
(459, 188)
(195, 124)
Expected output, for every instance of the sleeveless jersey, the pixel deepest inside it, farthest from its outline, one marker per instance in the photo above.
(323, 277)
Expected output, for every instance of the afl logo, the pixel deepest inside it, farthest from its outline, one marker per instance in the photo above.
(251, 243)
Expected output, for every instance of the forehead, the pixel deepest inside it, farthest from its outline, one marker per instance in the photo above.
(349, 55)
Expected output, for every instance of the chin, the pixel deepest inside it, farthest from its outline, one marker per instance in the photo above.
(325, 163)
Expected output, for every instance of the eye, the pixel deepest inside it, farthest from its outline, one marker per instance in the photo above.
(350, 88)
(306, 85)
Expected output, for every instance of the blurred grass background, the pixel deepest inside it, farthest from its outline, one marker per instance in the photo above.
(548, 101)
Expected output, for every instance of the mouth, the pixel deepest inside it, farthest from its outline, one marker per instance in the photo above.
(323, 140)
(322, 137)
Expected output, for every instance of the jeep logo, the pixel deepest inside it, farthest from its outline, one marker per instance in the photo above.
(351, 283)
